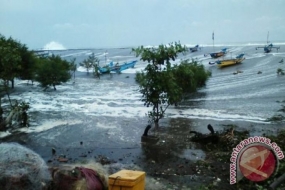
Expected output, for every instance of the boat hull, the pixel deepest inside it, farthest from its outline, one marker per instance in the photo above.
(117, 67)
(194, 49)
(218, 54)
(229, 62)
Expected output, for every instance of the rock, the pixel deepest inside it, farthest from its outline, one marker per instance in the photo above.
(259, 72)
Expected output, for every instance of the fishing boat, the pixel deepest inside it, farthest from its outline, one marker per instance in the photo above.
(219, 54)
(229, 62)
(195, 48)
(267, 48)
(117, 67)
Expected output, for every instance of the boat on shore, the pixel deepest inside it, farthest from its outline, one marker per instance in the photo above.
(229, 62)
(117, 67)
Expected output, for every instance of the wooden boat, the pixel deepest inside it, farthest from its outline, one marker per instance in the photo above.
(118, 67)
(229, 62)
(195, 48)
(219, 54)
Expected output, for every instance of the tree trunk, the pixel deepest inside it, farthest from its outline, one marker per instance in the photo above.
(156, 120)
(156, 125)
(12, 81)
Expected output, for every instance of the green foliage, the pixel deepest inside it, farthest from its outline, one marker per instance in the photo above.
(15, 61)
(163, 87)
(91, 62)
(27, 65)
(190, 75)
(161, 55)
(73, 67)
(52, 71)
(10, 58)
(85, 63)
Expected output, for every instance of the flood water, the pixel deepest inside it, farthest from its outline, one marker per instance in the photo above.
(94, 117)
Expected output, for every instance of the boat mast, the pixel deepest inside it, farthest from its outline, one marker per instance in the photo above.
(106, 57)
(267, 38)
(213, 41)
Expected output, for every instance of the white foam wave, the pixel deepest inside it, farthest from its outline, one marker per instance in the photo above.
(48, 124)
(77, 54)
(4, 134)
(54, 46)
(116, 99)
(219, 115)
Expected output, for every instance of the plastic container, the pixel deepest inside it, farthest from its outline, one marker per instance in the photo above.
(127, 180)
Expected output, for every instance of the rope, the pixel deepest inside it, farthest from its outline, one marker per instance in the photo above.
(115, 181)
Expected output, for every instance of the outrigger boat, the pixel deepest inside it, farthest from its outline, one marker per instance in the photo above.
(229, 62)
(118, 67)
(268, 47)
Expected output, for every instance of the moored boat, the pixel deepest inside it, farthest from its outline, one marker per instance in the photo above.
(219, 54)
(267, 48)
(229, 62)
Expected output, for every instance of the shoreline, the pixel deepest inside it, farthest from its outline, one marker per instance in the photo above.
(173, 161)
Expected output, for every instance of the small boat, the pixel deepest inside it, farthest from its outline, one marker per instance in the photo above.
(195, 48)
(219, 54)
(267, 48)
(118, 67)
(229, 62)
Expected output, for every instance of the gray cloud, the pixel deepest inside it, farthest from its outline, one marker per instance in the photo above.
(105, 23)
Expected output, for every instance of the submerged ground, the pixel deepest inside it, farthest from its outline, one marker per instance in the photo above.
(104, 119)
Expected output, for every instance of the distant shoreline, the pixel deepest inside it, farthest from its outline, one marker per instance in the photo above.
(217, 44)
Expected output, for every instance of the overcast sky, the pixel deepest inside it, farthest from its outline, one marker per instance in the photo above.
(113, 23)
